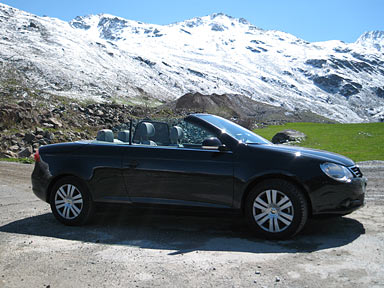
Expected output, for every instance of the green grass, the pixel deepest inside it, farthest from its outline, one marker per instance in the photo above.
(360, 142)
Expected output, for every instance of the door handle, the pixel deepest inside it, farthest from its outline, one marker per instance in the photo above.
(131, 164)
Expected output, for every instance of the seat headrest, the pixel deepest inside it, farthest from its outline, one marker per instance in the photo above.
(123, 136)
(105, 135)
(176, 134)
(146, 130)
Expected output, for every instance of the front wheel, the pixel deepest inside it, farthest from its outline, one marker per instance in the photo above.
(70, 201)
(276, 209)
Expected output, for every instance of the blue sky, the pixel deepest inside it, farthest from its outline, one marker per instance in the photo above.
(310, 20)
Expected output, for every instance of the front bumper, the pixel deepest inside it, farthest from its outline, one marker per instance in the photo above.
(339, 198)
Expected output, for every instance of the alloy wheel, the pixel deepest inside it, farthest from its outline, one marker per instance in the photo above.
(273, 211)
(68, 201)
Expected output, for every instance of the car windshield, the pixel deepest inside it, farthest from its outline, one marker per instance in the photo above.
(236, 131)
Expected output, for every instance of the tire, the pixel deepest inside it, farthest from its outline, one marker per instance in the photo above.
(71, 202)
(276, 209)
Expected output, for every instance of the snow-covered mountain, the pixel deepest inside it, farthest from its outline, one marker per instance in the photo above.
(372, 39)
(104, 57)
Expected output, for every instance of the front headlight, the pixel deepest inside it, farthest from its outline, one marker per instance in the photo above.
(337, 172)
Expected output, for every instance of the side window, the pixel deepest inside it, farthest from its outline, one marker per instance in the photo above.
(192, 135)
(195, 134)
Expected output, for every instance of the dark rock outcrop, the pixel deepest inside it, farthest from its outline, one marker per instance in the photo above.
(288, 136)
(242, 109)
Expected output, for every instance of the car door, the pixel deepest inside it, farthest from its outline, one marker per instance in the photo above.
(104, 161)
(178, 175)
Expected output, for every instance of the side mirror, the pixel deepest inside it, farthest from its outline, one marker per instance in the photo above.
(214, 143)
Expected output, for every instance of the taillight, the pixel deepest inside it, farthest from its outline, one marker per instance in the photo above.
(37, 156)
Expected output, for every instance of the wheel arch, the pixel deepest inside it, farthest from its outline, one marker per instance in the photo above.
(292, 180)
(59, 177)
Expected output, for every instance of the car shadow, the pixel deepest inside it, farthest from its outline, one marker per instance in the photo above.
(187, 232)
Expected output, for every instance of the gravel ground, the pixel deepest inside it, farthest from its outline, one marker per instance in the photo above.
(137, 249)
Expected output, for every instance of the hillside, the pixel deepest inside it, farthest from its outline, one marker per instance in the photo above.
(242, 109)
(111, 59)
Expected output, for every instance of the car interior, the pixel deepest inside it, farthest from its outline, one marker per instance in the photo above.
(156, 133)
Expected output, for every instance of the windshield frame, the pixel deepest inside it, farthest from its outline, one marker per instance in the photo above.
(232, 129)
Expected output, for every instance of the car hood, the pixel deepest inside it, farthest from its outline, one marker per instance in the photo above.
(314, 153)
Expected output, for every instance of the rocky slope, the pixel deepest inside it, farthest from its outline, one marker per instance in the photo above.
(107, 58)
(32, 122)
(28, 124)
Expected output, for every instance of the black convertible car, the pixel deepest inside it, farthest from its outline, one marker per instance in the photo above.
(202, 161)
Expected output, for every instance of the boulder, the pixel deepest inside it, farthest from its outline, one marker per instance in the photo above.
(49, 135)
(56, 123)
(20, 135)
(8, 154)
(48, 125)
(38, 130)
(25, 153)
(29, 137)
(99, 113)
(43, 142)
(14, 148)
(288, 135)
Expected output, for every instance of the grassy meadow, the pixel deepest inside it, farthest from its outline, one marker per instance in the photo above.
(360, 142)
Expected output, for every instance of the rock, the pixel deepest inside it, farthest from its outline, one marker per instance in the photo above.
(25, 104)
(29, 137)
(288, 136)
(277, 279)
(49, 135)
(14, 148)
(99, 113)
(89, 111)
(55, 122)
(48, 125)
(39, 131)
(20, 135)
(8, 154)
(25, 153)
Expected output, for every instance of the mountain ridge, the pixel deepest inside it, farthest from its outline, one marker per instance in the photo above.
(116, 59)
(373, 39)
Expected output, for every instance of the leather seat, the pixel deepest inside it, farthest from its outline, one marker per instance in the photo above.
(176, 134)
(105, 135)
(145, 131)
(123, 136)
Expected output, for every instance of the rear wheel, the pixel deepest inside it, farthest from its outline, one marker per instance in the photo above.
(276, 209)
(70, 201)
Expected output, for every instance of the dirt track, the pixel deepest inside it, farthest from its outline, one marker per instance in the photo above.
(133, 249)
